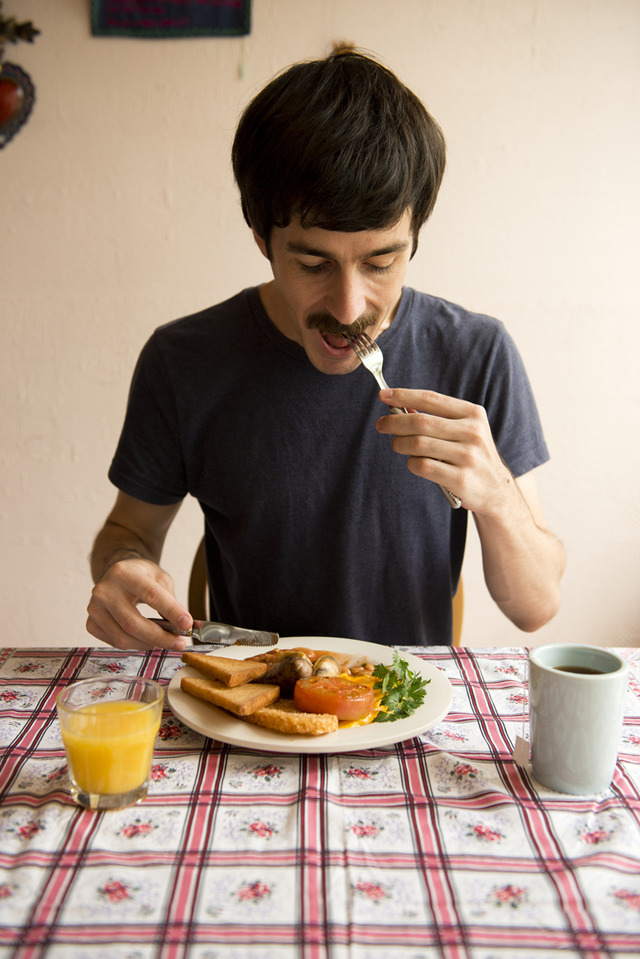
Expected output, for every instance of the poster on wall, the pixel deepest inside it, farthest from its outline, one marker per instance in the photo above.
(170, 18)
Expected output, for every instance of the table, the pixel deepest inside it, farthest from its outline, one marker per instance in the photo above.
(437, 847)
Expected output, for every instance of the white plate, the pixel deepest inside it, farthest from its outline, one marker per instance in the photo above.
(218, 724)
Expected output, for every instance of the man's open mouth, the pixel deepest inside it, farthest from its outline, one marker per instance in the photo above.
(335, 342)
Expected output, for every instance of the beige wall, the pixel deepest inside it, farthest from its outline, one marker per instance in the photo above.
(118, 212)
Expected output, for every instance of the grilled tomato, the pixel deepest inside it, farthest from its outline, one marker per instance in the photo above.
(332, 694)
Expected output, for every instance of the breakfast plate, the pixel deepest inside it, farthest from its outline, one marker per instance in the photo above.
(218, 724)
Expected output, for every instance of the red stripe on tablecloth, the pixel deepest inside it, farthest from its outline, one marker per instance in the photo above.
(311, 853)
(312, 826)
(59, 880)
(427, 844)
(191, 858)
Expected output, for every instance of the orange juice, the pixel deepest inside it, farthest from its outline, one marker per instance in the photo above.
(109, 744)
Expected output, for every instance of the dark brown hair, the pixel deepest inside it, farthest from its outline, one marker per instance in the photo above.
(340, 143)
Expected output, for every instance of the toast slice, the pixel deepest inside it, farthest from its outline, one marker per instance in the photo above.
(240, 700)
(285, 717)
(231, 672)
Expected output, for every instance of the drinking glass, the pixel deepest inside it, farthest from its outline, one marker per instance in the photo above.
(108, 730)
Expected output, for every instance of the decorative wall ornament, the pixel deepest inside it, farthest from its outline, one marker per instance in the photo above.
(170, 18)
(17, 96)
(17, 93)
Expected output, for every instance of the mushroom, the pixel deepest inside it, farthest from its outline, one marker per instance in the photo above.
(326, 666)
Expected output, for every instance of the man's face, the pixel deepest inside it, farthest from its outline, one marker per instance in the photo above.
(327, 281)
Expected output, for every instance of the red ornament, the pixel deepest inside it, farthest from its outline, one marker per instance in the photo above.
(11, 98)
(17, 96)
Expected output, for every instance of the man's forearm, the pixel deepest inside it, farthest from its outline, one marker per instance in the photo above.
(523, 565)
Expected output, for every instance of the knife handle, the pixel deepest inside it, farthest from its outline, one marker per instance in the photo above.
(169, 627)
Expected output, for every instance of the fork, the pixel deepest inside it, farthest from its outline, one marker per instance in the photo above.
(370, 355)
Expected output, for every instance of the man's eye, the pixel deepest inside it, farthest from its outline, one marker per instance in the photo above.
(376, 268)
(312, 267)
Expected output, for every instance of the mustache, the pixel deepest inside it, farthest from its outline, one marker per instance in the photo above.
(327, 323)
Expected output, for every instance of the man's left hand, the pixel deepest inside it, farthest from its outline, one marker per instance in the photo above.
(449, 442)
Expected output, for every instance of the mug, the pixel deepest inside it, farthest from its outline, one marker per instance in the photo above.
(576, 697)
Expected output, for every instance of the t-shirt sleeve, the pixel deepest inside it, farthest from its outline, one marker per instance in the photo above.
(512, 410)
(149, 462)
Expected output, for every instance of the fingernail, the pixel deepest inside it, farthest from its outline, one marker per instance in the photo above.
(185, 622)
(179, 644)
(386, 394)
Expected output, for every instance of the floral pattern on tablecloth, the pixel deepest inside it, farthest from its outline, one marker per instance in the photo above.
(255, 827)
(38, 777)
(21, 698)
(25, 829)
(352, 774)
(51, 738)
(456, 736)
(144, 827)
(370, 830)
(262, 894)
(251, 774)
(365, 894)
(437, 848)
(114, 950)
(10, 730)
(451, 775)
(494, 897)
(246, 951)
(511, 701)
(108, 664)
(367, 829)
(496, 831)
(505, 665)
(107, 895)
(19, 888)
(172, 774)
(173, 734)
(24, 664)
(600, 830)
(614, 899)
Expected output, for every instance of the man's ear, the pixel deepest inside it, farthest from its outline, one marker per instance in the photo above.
(262, 246)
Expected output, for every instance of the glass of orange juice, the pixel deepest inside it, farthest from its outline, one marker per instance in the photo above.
(108, 730)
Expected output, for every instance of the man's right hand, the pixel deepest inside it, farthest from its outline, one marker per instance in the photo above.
(113, 614)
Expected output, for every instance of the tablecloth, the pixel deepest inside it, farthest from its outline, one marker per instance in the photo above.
(440, 846)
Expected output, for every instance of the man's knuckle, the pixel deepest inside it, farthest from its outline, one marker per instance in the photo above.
(429, 397)
(127, 620)
(151, 593)
(98, 595)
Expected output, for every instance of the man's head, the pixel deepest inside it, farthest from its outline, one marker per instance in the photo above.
(340, 144)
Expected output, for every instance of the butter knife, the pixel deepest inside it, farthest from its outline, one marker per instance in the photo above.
(220, 634)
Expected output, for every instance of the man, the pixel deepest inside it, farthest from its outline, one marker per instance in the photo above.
(323, 515)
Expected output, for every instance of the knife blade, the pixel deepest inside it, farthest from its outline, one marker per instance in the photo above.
(219, 634)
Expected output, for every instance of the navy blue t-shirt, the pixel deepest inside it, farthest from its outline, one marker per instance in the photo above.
(313, 525)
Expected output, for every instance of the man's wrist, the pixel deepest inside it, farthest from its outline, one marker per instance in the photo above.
(118, 555)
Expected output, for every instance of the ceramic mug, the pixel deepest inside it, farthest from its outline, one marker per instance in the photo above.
(576, 702)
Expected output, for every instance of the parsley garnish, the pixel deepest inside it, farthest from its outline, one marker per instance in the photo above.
(402, 690)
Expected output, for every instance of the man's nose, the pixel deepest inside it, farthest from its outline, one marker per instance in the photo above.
(346, 299)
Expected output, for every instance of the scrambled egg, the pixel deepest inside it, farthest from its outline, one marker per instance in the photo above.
(377, 696)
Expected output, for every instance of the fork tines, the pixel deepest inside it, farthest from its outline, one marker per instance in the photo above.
(361, 343)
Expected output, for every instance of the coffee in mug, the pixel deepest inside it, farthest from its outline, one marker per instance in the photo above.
(576, 702)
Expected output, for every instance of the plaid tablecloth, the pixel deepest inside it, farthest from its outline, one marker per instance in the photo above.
(438, 847)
